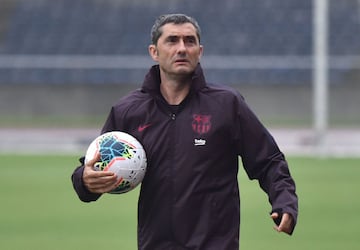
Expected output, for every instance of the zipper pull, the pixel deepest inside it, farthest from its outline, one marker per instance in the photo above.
(173, 116)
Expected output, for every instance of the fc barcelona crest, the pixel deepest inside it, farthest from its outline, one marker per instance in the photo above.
(201, 124)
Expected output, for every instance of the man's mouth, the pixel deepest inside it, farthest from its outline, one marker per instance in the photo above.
(181, 61)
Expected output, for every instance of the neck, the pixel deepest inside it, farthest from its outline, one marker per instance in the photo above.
(174, 90)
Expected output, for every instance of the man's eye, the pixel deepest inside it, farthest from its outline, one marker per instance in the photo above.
(191, 40)
(172, 39)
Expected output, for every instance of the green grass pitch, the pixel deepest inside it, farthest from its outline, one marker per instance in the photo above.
(40, 210)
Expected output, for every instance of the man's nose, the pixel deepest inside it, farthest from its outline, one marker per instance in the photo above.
(181, 46)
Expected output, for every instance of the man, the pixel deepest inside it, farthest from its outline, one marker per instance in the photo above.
(193, 134)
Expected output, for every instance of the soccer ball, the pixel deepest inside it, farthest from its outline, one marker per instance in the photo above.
(121, 154)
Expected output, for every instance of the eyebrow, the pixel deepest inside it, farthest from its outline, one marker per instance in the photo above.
(170, 37)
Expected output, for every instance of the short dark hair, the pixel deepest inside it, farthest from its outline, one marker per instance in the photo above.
(156, 30)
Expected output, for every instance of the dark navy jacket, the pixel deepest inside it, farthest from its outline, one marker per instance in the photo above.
(189, 198)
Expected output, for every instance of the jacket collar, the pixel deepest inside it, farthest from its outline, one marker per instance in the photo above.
(152, 80)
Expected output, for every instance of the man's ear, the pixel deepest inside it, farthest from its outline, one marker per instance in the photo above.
(153, 52)
(201, 51)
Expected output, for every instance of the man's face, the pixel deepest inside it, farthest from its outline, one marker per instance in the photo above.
(178, 50)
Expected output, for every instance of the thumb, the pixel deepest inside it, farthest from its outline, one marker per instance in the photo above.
(274, 215)
(276, 218)
(90, 163)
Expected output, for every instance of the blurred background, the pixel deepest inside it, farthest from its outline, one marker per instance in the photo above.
(63, 63)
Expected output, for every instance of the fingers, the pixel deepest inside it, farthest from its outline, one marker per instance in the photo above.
(102, 185)
(98, 181)
(286, 222)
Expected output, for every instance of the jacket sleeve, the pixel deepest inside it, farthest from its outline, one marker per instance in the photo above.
(263, 161)
(78, 184)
